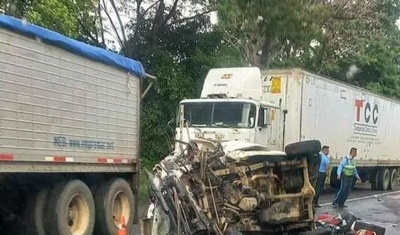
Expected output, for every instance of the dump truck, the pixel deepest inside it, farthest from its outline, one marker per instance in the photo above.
(69, 134)
(279, 107)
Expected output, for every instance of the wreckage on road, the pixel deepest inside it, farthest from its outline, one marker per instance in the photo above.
(234, 187)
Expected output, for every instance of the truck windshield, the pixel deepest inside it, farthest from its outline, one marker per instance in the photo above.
(220, 114)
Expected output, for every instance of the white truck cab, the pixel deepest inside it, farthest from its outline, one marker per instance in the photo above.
(230, 108)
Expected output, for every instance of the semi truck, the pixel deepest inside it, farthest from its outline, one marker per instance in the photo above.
(280, 107)
(69, 134)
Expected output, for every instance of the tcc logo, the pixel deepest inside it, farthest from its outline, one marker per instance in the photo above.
(369, 112)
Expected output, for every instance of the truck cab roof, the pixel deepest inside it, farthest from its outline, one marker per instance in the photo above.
(256, 102)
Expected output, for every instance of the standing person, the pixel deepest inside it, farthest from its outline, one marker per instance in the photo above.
(321, 177)
(345, 173)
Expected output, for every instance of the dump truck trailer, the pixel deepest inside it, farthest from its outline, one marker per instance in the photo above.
(69, 134)
(341, 116)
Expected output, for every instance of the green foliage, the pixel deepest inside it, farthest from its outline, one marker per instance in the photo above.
(347, 34)
(371, 45)
(180, 61)
(277, 27)
(71, 18)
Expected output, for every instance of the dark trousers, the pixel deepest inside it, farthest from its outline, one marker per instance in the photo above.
(346, 183)
(319, 186)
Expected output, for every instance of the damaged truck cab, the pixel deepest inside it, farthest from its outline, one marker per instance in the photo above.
(233, 187)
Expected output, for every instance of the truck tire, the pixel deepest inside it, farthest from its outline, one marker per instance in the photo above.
(35, 212)
(383, 179)
(373, 179)
(113, 200)
(334, 182)
(71, 209)
(393, 184)
(308, 147)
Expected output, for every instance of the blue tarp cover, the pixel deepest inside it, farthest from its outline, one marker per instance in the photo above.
(74, 46)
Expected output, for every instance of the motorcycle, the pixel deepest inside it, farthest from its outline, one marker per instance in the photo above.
(343, 223)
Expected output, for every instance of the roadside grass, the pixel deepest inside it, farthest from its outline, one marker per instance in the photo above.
(143, 194)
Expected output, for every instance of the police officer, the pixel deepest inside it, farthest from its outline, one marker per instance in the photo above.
(319, 186)
(345, 173)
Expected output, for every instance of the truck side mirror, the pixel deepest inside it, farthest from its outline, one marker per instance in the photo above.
(171, 121)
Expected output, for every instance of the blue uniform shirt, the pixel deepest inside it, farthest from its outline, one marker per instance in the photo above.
(324, 163)
(343, 163)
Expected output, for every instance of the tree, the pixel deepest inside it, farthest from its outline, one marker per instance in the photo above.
(354, 41)
(179, 50)
(271, 32)
(75, 19)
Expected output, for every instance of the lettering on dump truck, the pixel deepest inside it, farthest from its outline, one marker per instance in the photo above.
(61, 141)
(366, 118)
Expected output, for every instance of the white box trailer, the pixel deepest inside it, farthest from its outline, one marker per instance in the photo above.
(69, 134)
(340, 116)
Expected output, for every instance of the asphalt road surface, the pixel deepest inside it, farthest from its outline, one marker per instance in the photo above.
(380, 208)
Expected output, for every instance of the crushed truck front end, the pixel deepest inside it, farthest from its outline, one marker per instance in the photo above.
(231, 187)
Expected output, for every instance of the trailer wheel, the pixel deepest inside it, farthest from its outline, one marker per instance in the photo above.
(383, 179)
(71, 210)
(113, 200)
(34, 213)
(308, 147)
(334, 182)
(373, 179)
(393, 180)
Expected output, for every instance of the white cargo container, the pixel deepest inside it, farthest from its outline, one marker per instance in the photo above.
(340, 116)
(69, 133)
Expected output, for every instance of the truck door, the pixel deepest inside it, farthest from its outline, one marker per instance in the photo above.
(262, 127)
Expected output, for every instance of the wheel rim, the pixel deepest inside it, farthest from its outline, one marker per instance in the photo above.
(78, 215)
(121, 207)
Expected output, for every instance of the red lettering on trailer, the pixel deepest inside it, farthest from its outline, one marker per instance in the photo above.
(6, 157)
(359, 105)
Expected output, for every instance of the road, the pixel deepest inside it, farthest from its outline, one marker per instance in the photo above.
(382, 209)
